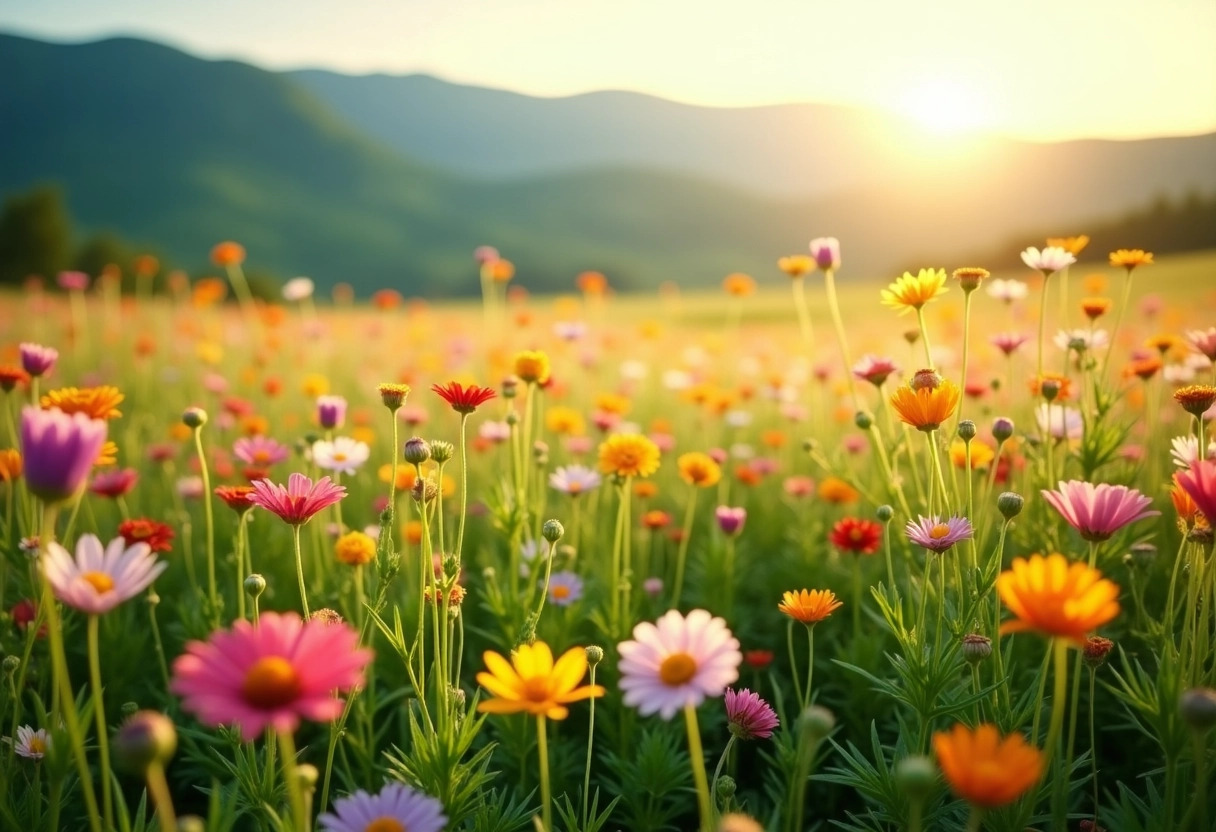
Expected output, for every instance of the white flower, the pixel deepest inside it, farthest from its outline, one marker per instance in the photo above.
(1185, 450)
(297, 289)
(570, 330)
(97, 580)
(677, 380)
(343, 455)
(1178, 373)
(30, 744)
(738, 418)
(1007, 290)
(1065, 422)
(1049, 261)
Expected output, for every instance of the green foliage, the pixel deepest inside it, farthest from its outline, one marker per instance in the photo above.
(654, 782)
(35, 235)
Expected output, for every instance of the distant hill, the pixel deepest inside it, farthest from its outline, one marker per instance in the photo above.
(182, 152)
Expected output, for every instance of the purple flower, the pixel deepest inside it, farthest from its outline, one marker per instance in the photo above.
(750, 717)
(938, 535)
(59, 451)
(1098, 511)
(331, 411)
(38, 360)
(730, 520)
(826, 251)
(565, 588)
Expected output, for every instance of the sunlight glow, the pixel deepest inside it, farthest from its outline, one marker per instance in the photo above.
(945, 107)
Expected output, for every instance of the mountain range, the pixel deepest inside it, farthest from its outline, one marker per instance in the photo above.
(392, 181)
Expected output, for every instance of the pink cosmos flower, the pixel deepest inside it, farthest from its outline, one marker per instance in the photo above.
(749, 716)
(938, 535)
(270, 676)
(1098, 511)
(96, 580)
(1204, 341)
(1200, 483)
(677, 662)
(261, 451)
(799, 486)
(299, 500)
(574, 479)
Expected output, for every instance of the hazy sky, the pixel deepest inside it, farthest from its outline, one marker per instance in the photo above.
(1041, 69)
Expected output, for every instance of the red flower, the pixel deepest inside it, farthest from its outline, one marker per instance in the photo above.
(852, 534)
(159, 536)
(463, 399)
(24, 613)
(758, 659)
(236, 497)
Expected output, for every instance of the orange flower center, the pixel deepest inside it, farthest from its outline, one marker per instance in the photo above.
(677, 669)
(561, 592)
(385, 824)
(536, 689)
(339, 457)
(100, 581)
(939, 531)
(261, 457)
(270, 683)
(855, 535)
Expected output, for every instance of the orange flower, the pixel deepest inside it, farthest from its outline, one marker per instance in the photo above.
(612, 403)
(1095, 308)
(810, 606)
(699, 469)
(227, 254)
(1056, 597)
(927, 407)
(532, 366)
(796, 265)
(10, 464)
(984, 769)
(629, 455)
(96, 402)
(739, 284)
(1063, 386)
(838, 492)
(386, 299)
(1196, 398)
(1073, 245)
(1130, 258)
(644, 489)
(908, 292)
(1188, 511)
(591, 283)
(208, 291)
(1145, 368)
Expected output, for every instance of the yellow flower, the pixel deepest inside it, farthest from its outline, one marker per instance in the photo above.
(809, 606)
(739, 284)
(629, 455)
(532, 683)
(699, 469)
(565, 421)
(315, 385)
(355, 549)
(1056, 597)
(984, 769)
(209, 352)
(982, 454)
(836, 491)
(95, 402)
(796, 265)
(612, 403)
(1129, 258)
(927, 407)
(1073, 245)
(908, 292)
(108, 455)
(532, 366)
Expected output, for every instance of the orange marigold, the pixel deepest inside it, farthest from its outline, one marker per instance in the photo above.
(985, 769)
(96, 402)
(1130, 258)
(629, 455)
(927, 407)
(1056, 597)
(810, 606)
(699, 469)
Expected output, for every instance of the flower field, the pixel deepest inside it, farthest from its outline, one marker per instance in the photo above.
(928, 553)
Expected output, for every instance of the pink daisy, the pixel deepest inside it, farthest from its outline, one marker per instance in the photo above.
(98, 580)
(750, 717)
(938, 535)
(299, 500)
(1098, 511)
(271, 675)
(261, 451)
(396, 807)
(1200, 483)
(678, 662)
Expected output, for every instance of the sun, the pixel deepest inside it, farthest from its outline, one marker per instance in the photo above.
(944, 106)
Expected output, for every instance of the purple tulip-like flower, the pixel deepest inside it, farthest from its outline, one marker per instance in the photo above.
(730, 520)
(1098, 511)
(59, 451)
(938, 535)
(749, 716)
(38, 360)
(331, 411)
(826, 251)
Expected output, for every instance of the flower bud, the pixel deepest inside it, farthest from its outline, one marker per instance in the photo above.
(393, 395)
(308, 776)
(194, 417)
(1143, 553)
(512, 418)
(916, 776)
(11, 663)
(969, 278)
(966, 430)
(884, 513)
(815, 723)
(326, 616)
(911, 335)
(725, 788)
(1010, 504)
(809, 445)
(595, 654)
(417, 451)
(255, 585)
(510, 387)
(129, 708)
(146, 738)
(1096, 650)
(191, 823)
(552, 531)
(1198, 708)
(863, 420)
(976, 648)
(1050, 388)
(1002, 428)
(442, 451)
(925, 380)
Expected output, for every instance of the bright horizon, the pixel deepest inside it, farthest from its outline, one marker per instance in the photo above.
(1045, 71)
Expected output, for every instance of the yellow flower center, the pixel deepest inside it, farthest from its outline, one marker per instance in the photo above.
(939, 531)
(270, 683)
(574, 488)
(339, 457)
(385, 824)
(536, 689)
(100, 581)
(561, 592)
(677, 669)
(261, 457)
(37, 745)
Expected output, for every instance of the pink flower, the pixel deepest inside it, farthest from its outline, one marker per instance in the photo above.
(730, 519)
(750, 717)
(393, 807)
(299, 501)
(272, 675)
(826, 251)
(677, 662)
(799, 486)
(1204, 341)
(114, 483)
(874, 369)
(1008, 342)
(261, 451)
(97, 580)
(936, 534)
(1200, 483)
(1098, 511)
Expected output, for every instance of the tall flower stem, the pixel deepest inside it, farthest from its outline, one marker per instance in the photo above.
(966, 342)
(789, 644)
(1114, 333)
(1059, 698)
(544, 593)
(804, 315)
(713, 784)
(924, 336)
(886, 550)
(464, 487)
(99, 712)
(682, 553)
(1093, 745)
(1038, 372)
(295, 534)
(209, 518)
(546, 801)
(974, 819)
(810, 664)
(590, 744)
(697, 758)
(829, 282)
(295, 795)
(162, 800)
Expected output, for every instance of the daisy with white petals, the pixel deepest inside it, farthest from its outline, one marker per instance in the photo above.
(98, 580)
(343, 455)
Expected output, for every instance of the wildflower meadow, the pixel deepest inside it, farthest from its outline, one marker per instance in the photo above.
(813, 551)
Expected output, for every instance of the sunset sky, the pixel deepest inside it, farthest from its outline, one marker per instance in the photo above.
(1039, 69)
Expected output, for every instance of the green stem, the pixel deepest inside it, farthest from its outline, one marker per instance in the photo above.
(713, 784)
(464, 488)
(162, 800)
(1093, 745)
(590, 744)
(1059, 698)
(295, 794)
(295, 533)
(1038, 373)
(924, 336)
(1110, 347)
(697, 758)
(1199, 803)
(99, 713)
(209, 518)
(804, 316)
(810, 663)
(546, 802)
(829, 282)
(682, 552)
(966, 341)
(974, 819)
(789, 644)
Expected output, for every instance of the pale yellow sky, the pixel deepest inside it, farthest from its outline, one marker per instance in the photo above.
(1040, 69)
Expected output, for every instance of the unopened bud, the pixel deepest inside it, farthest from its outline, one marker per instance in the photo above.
(595, 654)
(1096, 650)
(512, 418)
(510, 387)
(916, 776)
(1143, 553)
(393, 395)
(1050, 388)
(442, 451)
(191, 823)
(815, 723)
(552, 531)
(129, 708)
(863, 420)
(146, 738)
(976, 648)
(11, 663)
(308, 776)
(966, 430)
(194, 417)
(1198, 708)
(884, 513)
(255, 585)
(1010, 504)
(1002, 428)
(417, 451)
(925, 380)
(725, 788)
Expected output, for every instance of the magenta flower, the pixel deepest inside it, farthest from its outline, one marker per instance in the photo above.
(72, 281)
(114, 483)
(1008, 342)
(38, 360)
(1098, 511)
(730, 520)
(938, 535)
(1200, 483)
(270, 676)
(874, 369)
(59, 451)
(826, 251)
(299, 500)
(261, 451)
(96, 580)
(331, 411)
(750, 717)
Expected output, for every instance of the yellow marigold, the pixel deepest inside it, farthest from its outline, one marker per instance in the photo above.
(612, 403)
(1164, 342)
(1196, 398)
(1130, 258)
(982, 454)
(796, 265)
(629, 455)
(565, 421)
(1056, 597)
(699, 469)
(984, 769)
(355, 549)
(908, 292)
(209, 352)
(927, 407)
(10, 464)
(532, 366)
(738, 284)
(836, 491)
(533, 683)
(810, 606)
(314, 385)
(95, 402)
(1073, 245)
(108, 455)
